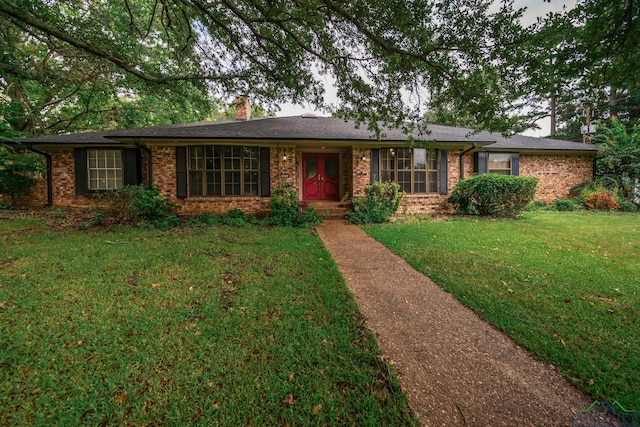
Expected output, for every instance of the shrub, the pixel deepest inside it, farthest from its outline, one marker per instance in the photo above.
(601, 200)
(18, 170)
(135, 203)
(285, 211)
(493, 194)
(536, 205)
(565, 205)
(204, 219)
(237, 218)
(233, 218)
(628, 206)
(379, 205)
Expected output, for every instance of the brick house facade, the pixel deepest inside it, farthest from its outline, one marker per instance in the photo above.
(217, 166)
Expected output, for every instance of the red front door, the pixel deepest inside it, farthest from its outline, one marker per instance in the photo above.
(320, 176)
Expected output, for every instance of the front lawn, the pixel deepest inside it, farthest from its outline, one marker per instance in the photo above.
(564, 285)
(202, 326)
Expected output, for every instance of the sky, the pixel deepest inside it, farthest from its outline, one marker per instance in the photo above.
(534, 9)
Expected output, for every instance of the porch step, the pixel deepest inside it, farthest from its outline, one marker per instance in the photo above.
(328, 209)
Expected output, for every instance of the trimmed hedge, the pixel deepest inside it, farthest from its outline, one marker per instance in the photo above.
(493, 194)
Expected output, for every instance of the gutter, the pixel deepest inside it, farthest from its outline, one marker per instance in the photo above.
(149, 167)
(473, 147)
(49, 174)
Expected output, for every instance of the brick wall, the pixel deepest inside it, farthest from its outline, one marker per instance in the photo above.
(163, 161)
(361, 172)
(280, 167)
(64, 183)
(556, 174)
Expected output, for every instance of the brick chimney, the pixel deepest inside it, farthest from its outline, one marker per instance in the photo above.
(243, 108)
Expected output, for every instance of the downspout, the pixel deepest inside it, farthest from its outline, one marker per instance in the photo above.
(473, 147)
(47, 156)
(148, 151)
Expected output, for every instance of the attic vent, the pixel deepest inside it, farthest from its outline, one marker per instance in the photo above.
(309, 116)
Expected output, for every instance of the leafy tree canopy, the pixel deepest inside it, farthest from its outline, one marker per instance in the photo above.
(390, 59)
(51, 86)
(588, 56)
(619, 160)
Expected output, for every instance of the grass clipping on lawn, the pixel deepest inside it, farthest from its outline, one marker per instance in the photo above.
(208, 326)
(564, 285)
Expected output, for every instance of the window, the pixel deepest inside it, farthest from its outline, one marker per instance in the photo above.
(499, 163)
(216, 170)
(105, 169)
(415, 170)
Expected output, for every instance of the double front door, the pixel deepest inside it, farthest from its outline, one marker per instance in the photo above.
(320, 176)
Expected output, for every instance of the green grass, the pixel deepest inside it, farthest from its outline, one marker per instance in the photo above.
(564, 285)
(203, 326)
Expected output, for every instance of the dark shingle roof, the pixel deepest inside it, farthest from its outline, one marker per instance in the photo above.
(528, 143)
(290, 128)
(310, 129)
(75, 138)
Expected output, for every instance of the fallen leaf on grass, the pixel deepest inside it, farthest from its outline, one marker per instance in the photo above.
(121, 398)
(216, 405)
(288, 400)
(316, 409)
(291, 376)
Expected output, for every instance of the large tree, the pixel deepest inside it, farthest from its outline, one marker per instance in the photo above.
(52, 86)
(391, 60)
(587, 58)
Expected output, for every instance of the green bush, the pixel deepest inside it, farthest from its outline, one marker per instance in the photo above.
(628, 206)
(379, 205)
(18, 170)
(136, 203)
(204, 219)
(493, 194)
(285, 211)
(566, 205)
(237, 218)
(233, 218)
(536, 205)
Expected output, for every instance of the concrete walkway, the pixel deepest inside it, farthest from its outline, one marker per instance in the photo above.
(455, 368)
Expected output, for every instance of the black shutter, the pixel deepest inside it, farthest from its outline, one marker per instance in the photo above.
(515, 164)
(443, 166)
(265, 172)
(132, 172)
(480, 162)
(81, 170)
(181, 172)
(375, 165)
